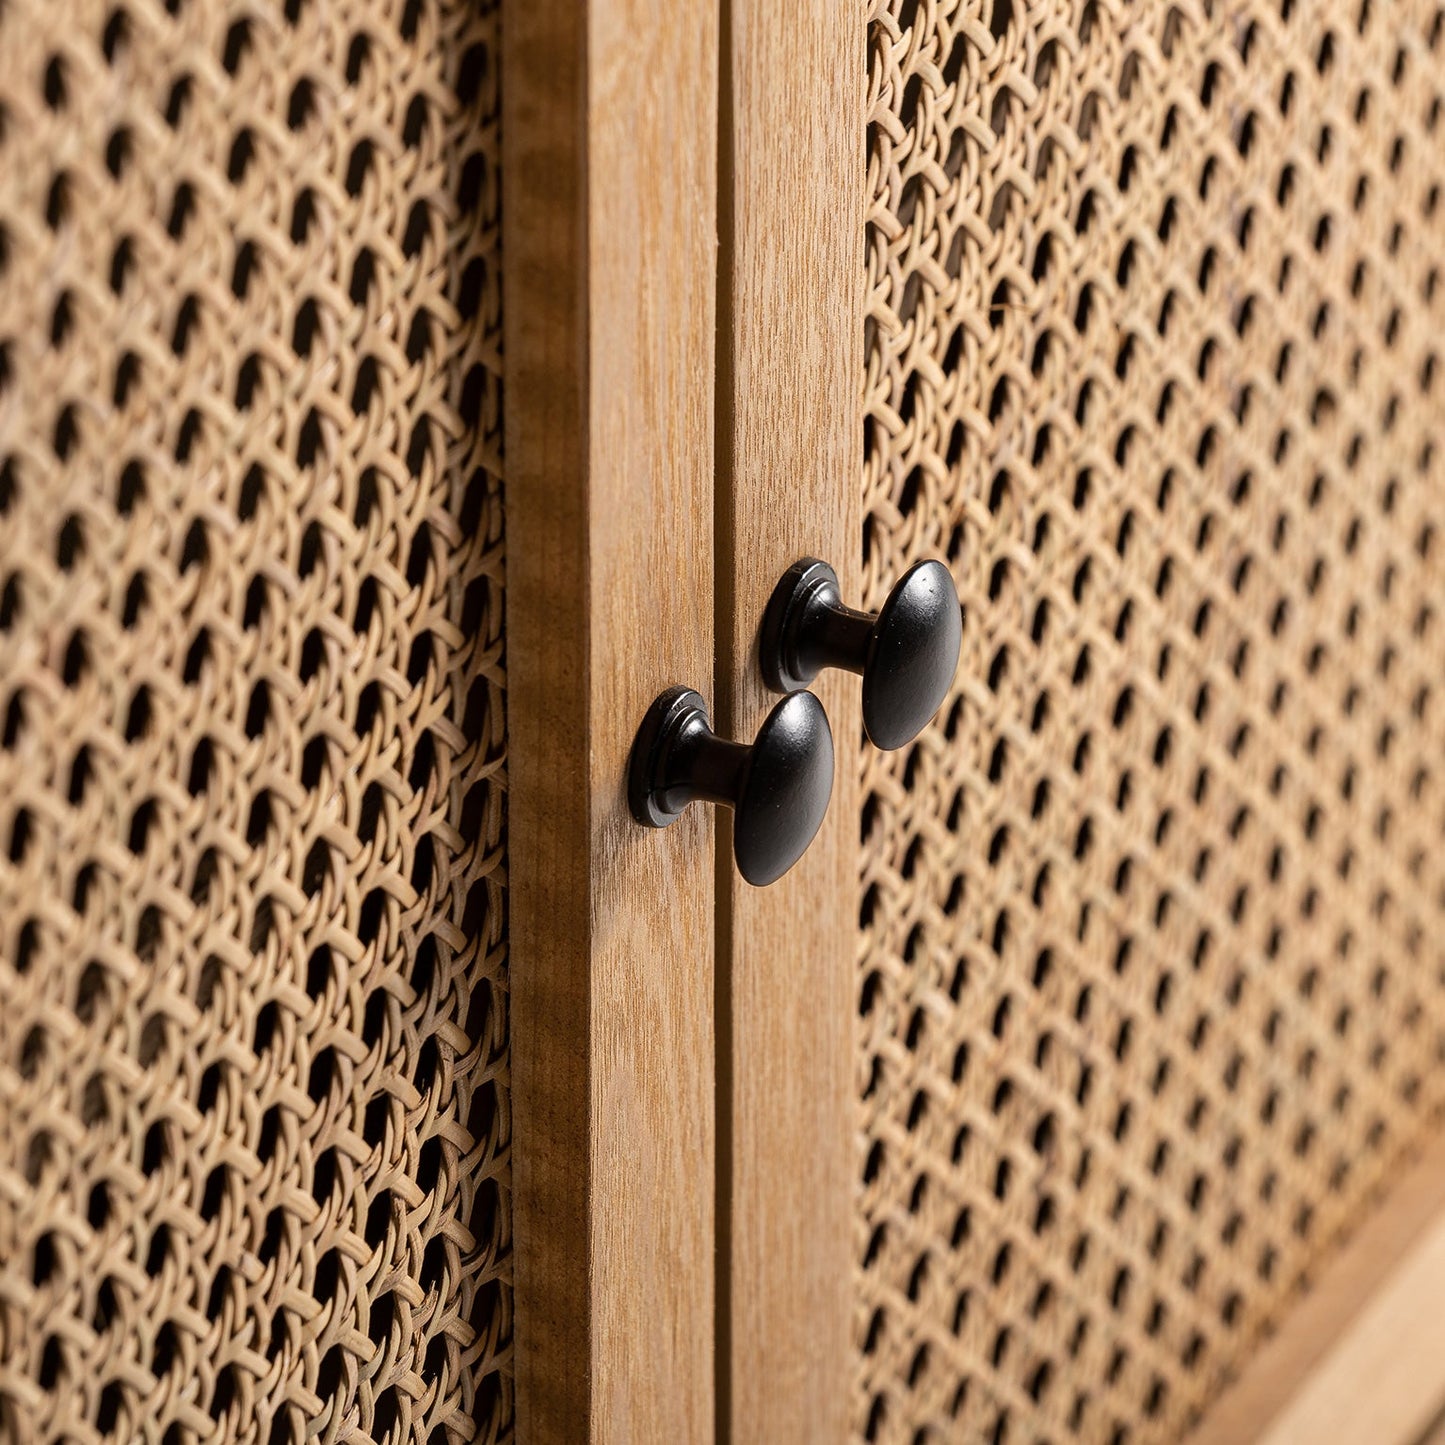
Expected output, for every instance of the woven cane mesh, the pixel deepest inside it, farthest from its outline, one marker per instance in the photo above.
(253, 1112)
(1152, 976)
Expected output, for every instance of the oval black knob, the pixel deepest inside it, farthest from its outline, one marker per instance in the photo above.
(907, 651)
(778, 788)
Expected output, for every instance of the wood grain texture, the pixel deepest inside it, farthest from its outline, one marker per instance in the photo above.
(792, 181)
(1363, 1355)
(1384, 1380)
(610, 116)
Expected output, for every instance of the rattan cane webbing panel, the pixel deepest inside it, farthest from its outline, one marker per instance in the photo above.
(253, 1112)
(1152, 984)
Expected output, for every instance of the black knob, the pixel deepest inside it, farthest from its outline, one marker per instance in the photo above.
(907, 653)
(778, 788)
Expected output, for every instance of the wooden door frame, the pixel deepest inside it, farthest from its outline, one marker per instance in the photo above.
(791, 282)
(609, 263)
(611, 171)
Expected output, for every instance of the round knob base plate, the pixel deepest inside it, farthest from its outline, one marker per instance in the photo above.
(652, 803)
(803, 584)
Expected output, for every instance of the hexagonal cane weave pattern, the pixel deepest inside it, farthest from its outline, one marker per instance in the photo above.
(253, 1110)
(1152, 969)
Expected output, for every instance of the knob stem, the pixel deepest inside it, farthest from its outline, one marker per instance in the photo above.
(832, 635)
(699, 766)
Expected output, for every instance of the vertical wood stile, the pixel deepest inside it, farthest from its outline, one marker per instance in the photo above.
(610, 115)
(790, 327)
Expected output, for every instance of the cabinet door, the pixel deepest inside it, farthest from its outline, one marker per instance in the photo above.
(1144, 931)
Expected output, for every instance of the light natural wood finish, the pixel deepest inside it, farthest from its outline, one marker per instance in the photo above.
(610, 301)
(1385, 1379)
(789, 415)
(1363, 1356)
